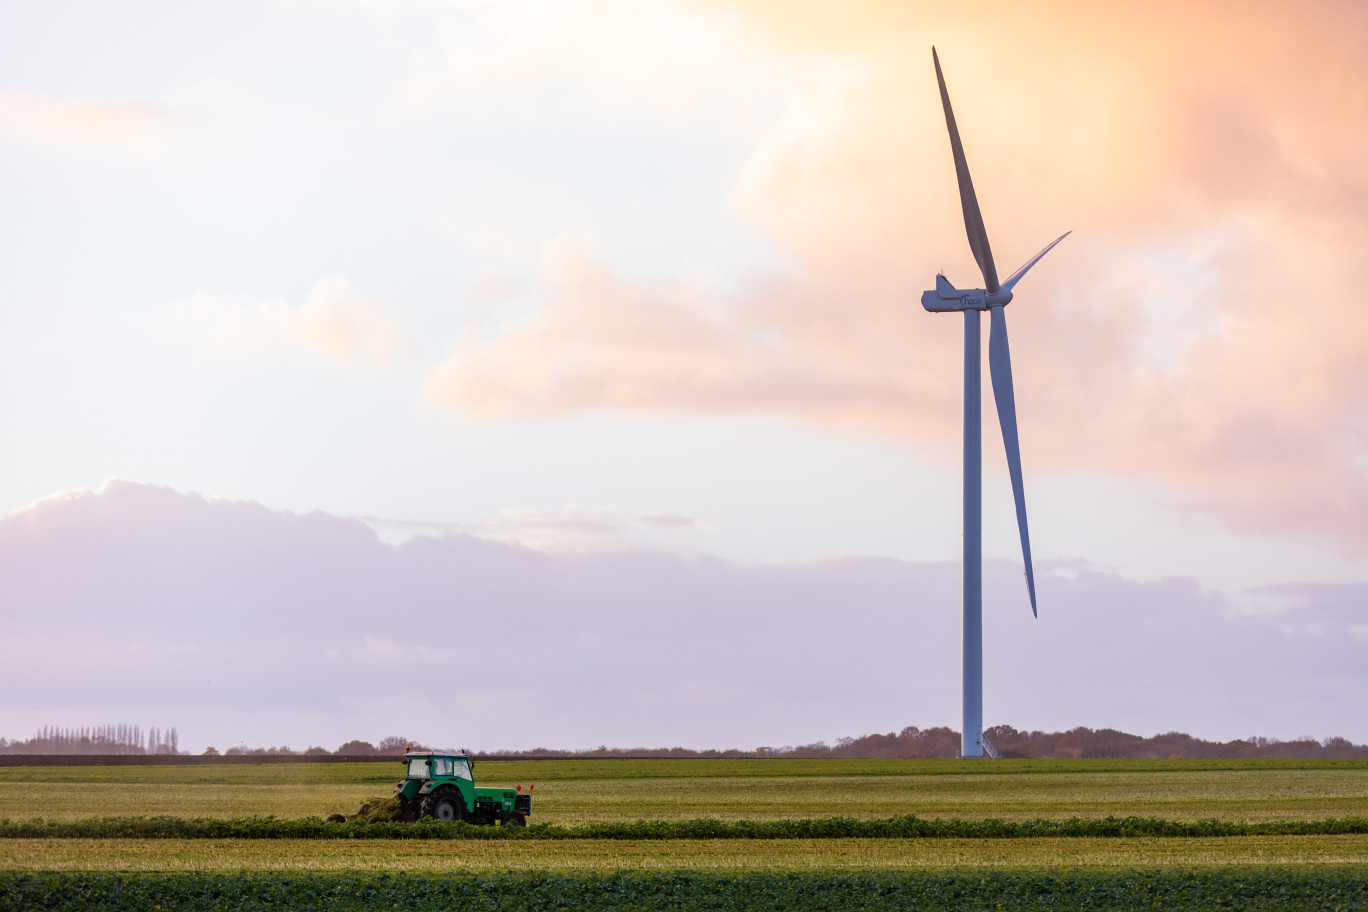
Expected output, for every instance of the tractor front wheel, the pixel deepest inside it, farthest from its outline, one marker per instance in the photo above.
(515, 819)
(446, 804)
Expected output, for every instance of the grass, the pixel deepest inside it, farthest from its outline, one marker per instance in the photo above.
(302, 855)
(576, 792)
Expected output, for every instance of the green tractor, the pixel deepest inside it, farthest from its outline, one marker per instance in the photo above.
(441, 785)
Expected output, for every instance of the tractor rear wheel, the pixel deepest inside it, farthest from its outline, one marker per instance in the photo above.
(444, 804)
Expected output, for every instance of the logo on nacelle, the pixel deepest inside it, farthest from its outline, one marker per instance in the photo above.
(971, 300)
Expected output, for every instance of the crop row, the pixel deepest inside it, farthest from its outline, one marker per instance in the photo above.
(1253, 890)
(908, 827)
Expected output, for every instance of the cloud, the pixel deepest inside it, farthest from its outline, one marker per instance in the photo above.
(381, 648)
(125, 125)
(279, 627)
(575, 528)
(667, 521)
(679, 65)
(604, 341)
(203, 117)
(335, 324)
(574, 520)
(1182, 335)
(1317, 607)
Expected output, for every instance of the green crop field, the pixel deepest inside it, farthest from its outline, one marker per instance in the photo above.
(589, 791)
(1193, 889)
(570, 867)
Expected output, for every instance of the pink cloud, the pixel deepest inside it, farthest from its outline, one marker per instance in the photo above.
(131, 125)
(1194, 331)
(335, 324)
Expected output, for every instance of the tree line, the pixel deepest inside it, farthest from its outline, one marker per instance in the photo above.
(911, 742)
(114, 738)
(392, 746)
(944, 742)
(1080, 742)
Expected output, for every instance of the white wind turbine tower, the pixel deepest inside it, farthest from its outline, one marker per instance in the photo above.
(994, 297)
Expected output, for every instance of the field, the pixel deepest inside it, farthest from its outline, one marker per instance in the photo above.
(580, 797)
(587, 791)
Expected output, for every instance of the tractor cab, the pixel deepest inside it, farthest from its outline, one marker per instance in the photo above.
(439, 766)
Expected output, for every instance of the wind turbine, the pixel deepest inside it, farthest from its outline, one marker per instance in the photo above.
(994, 297)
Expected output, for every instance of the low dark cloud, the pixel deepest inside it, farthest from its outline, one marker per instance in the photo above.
(240, 623)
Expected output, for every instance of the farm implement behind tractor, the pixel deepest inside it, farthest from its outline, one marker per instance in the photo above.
(442, 786)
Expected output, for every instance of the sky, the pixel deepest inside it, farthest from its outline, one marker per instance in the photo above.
(554, 374)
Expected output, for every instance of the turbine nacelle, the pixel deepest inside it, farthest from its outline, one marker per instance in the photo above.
(948, 298)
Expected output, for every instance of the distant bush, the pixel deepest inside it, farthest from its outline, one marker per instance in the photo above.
(393, 745)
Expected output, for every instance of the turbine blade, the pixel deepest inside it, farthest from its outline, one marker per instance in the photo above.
(1000, 369)
(973, 218)
(1016, 276)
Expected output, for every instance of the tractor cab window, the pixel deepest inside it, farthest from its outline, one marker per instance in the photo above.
(441, 766)
(462, 769)
(418, 768)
